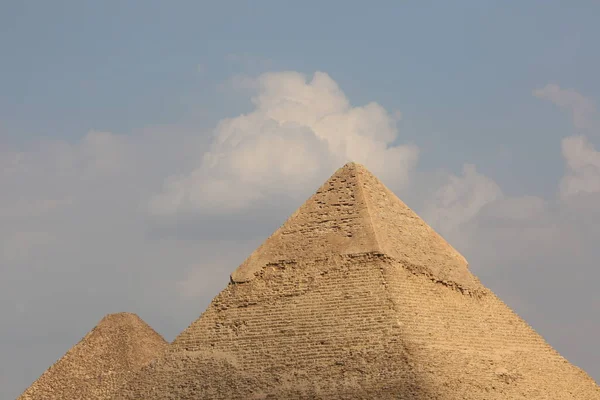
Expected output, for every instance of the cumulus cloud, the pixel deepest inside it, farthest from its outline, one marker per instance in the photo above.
(459, 200)
(583, 167)
(582, 108)
(473, 211)
(582, 161)
(76, 241)
(538, 254)
(299, 131)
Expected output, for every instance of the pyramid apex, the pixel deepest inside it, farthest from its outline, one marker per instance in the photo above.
(125, 321)
(352, 165)
(122, 314)
(120, 344)
(120, 318)
(354, 213)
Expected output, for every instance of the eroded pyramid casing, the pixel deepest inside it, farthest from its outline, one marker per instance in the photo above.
(354, 213)
(355, 297)
(101, 362)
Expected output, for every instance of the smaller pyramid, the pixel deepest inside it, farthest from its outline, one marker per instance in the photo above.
(101, 362)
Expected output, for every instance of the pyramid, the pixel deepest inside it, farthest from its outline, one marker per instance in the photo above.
(356, 297)
(101, 362)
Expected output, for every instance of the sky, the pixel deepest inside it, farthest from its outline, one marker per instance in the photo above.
(146, 148)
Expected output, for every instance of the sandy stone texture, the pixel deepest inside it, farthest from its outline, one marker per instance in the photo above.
(355, 297)
(101, 362)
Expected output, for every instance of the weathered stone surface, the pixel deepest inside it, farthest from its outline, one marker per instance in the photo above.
(355, 297)
(352, 213)
(101, 362)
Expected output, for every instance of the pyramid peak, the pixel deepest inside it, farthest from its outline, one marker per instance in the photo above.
(353, 164)
(122, 319)
(123, 316)
(354, 213)
(106, 357)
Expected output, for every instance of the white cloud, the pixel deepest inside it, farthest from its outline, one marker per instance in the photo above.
(474, 214)
(582, 108)
(583, 167)
(70, 227)
(514, 208)
(460, 199)
(582, 161)
(468, 207)
(297, 134)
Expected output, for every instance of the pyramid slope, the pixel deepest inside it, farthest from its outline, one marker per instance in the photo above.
(391, 312)
(405, 237)
(358, 327)
(335, 220)
(186, 375)
(353, 213)
(101, 362)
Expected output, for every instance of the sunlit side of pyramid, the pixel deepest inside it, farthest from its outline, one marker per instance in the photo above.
(101, 362)
(355, 297)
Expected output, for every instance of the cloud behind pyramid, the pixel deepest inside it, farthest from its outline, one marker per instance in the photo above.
(299, 129)
(66, 202)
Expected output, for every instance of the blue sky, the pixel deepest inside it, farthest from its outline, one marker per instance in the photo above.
(159, 78)
(455, 70)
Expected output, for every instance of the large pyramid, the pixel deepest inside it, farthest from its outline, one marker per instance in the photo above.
(355, 297)
(101, 362)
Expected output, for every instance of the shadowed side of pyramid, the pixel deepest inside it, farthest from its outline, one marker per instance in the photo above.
(101, 362)
(355, 297)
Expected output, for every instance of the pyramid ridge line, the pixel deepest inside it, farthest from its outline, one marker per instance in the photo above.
(248, 268)
(354, 212)
(103, 342)
(361, 190)
(123, 319)
(127, 314)
(350, 164)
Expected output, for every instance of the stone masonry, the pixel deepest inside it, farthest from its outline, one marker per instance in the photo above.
(355, 297)
(102, 361)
